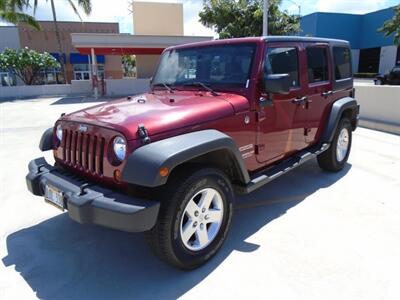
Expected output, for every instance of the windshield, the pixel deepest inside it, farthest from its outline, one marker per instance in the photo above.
(396, 70)
(218, 65)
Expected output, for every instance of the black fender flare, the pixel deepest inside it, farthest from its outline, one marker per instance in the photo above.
(46, 141)
(338, 108)
(143, 165)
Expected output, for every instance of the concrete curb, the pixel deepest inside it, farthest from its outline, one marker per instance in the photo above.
(380, 126)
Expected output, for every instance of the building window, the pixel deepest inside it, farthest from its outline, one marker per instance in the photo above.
(317, 64)
(341, 57)
(283, 61)
(51, 76)
(7, 79)
(82, 71)
(100, 71)
(369, 60)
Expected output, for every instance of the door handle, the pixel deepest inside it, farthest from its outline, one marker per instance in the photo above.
(299, 100)
(327, 93)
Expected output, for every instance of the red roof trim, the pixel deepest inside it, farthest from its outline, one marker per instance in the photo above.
(121, 51)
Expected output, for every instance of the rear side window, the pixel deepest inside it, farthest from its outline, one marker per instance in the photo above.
(341, 57)
(283, 61)
(317, 60)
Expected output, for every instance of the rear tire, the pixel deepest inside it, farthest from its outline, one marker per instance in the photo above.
(194, 218)
(335, 158)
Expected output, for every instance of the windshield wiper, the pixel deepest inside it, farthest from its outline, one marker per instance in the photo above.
(198, 83)
(164, 85)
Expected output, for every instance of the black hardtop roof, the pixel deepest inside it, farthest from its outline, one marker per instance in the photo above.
(304, 39)
(263, 39)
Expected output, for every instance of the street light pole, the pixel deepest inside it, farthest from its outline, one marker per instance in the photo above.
(265, 18)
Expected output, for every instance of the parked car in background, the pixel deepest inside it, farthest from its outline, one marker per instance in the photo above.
(392, 78)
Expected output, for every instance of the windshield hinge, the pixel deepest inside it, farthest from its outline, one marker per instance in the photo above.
(260, 116)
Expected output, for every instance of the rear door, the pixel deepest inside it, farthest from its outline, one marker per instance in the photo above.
(318, 87)
(281, 121)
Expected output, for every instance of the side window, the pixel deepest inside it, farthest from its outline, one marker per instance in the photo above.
(341, 57)
(283, 61)
(317, 60)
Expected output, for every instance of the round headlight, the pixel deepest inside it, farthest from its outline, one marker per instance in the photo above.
(119, 147)
(59, 132)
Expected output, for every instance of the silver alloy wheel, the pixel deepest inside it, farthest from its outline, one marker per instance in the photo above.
(342, 144)
(202, 219)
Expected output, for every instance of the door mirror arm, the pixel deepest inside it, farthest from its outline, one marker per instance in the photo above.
(265, 100)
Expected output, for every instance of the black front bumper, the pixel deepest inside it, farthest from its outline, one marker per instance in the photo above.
(87, 203)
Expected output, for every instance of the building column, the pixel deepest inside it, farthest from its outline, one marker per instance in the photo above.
(387, 59)
(95, 83)
(355, 54)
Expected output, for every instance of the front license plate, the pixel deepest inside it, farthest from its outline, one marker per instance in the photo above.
(54, 196)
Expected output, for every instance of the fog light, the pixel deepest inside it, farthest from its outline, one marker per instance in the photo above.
(164, 172)
(117, 175)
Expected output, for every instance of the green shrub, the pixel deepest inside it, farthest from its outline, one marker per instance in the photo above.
(365, 75)
(27, 63)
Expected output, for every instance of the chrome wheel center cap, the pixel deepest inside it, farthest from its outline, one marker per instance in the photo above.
(201, 218)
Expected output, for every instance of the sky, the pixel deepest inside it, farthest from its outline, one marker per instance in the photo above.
(119, 11)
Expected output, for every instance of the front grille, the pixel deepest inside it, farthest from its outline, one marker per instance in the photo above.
(83, 151)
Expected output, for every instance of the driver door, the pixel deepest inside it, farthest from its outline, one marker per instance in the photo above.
(282, 117)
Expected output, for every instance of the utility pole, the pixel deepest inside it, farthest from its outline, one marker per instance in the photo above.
(265, 18)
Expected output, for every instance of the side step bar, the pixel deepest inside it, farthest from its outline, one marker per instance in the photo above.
(278, 170)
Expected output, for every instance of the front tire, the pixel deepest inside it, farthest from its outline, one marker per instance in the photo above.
(194, 218)
(335, 158)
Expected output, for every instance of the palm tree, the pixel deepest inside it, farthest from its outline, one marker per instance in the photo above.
(11, 12)
(86, 5)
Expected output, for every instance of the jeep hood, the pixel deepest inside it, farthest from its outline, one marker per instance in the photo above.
(160, 111)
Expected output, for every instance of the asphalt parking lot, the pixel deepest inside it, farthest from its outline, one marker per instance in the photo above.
(307, 235)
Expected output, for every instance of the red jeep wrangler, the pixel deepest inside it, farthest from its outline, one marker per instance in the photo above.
(222, 117)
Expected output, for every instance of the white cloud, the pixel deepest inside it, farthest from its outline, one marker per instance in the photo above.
(118, 11)
(192, 26)
(293, 9)
(102, 11)
(351, 6)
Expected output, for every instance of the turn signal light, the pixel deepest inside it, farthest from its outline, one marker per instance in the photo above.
(117, 175)
(164, 171)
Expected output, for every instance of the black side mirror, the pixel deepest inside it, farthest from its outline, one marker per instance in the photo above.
(277, 84)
